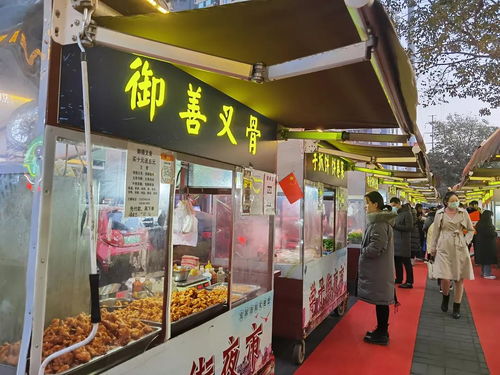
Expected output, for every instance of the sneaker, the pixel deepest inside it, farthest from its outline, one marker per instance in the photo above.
(490, 277)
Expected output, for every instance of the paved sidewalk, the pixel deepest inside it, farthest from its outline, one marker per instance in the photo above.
(446, 346)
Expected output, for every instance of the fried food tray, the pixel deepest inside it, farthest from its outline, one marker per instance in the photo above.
(115, 356)
(188, 322)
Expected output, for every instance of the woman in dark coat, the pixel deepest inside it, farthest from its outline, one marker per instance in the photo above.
(376, 265)
(403, 227)
(415, 244)
(485, 248)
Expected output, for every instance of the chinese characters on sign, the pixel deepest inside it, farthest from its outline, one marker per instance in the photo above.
(142, 181)
(145, 89)
(269, 194)
(372, 182)
(226, 117)
(328, 164)
(231, 354)
(326, 294)
(203, 367)
(393, 190)
(252, 133)
(193, 115)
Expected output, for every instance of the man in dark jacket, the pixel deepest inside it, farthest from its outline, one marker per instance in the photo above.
(402, 244)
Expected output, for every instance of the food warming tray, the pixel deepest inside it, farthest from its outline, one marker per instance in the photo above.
(115, 356)
(188, 322)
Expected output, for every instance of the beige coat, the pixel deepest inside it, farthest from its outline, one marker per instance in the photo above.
(448, 240)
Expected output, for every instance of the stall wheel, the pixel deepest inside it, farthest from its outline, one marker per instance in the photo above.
(299, 352)
(340, 310)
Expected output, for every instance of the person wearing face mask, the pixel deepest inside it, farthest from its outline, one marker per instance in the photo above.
(402, 243)
(449, 248)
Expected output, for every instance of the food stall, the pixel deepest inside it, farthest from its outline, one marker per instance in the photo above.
(178, 173)
(310, 243)
(184, 195)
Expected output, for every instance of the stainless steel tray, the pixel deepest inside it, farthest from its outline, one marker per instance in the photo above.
(115, 356)
(7, 369)
(188, 322)
(252, 289)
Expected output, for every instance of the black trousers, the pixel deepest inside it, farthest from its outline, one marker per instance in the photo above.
(382, 316)
(399, 262)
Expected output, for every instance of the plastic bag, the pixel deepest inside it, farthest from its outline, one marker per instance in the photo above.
(185, 225)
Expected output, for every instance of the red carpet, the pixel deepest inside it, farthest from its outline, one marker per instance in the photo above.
(484, 301)
(344, 352)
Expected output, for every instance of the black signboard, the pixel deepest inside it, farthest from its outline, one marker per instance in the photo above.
(327, 169)
(156, 103)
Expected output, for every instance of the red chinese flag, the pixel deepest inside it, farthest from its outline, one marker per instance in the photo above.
(291, 188)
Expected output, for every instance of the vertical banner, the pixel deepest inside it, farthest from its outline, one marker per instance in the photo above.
(167, 169)
(257, 205)
(252, 199)
(269, 194)
(142, 190)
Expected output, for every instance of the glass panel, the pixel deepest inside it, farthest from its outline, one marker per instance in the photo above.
(312, 222)
(20, 44)
(208, 177)
(341, 219)
(287, 230)
(202, 239)
(131, 253)
(355, 220)
(252, 260)
(328, 221)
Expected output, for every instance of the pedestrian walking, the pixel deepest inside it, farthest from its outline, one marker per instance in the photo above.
(420, 224)
(485, 247)
(450, 249)
(402, 243)
(415, 241)
(376, 265)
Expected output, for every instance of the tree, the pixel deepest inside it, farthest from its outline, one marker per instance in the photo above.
(455, 140)
(455, 47)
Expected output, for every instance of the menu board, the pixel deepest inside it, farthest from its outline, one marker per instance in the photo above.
(269, 194)
(142, 191)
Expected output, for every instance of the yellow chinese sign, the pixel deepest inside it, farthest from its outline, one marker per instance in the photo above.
(226, 117)
(372, 182)
(193, 115)
(393, 190)
(145, 89)
(252, 134)
(328, 164)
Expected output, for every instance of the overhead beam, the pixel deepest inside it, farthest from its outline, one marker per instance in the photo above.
(384, 138)
(173, 54)
(343, 154)
(334, 58)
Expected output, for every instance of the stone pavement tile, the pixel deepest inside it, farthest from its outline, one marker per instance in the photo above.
(446, 346)
(435, 370)
(419, 368)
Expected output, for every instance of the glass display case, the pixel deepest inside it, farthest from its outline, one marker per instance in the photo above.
(329, 219)
(355, 220)
(341, 208)
(131, 252)
(20, 149)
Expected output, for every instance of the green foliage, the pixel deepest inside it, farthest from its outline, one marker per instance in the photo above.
(455, 140)
(456, 47)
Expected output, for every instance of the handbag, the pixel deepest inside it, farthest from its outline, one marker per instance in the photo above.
(430, 269)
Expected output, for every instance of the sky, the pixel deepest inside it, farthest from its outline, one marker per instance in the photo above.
(461, 106)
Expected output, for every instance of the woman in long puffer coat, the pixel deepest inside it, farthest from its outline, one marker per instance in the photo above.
(376, 265)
